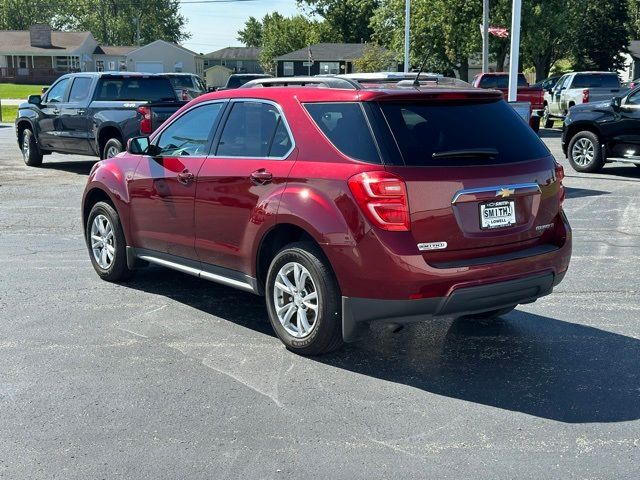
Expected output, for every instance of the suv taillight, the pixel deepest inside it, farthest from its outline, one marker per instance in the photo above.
(145, 121)
(383, 198)
(585, 96)
(559, 179)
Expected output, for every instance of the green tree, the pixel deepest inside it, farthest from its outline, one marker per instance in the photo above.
(350, 19)
(375, 59)
(251, 35)
(600, 33)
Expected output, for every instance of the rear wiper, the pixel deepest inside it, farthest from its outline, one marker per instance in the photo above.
(469, 152)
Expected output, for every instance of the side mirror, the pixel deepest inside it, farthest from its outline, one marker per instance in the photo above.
(34, 99)
(138, 145)
(211, 89)
(616, 103)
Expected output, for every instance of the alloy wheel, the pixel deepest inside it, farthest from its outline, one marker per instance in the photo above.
(102, 241)
(25, 147)
(296, 300)
(112, 152)
(583, 152)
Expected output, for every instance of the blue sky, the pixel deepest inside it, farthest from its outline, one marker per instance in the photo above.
(215, 25)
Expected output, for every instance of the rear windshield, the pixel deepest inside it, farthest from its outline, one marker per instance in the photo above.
(181, 81)
(420, 130)
(345, 126)
(596, 80)
(237, 82)
(150, 89)
(500, 81)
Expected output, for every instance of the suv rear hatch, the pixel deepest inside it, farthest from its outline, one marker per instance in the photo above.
(479, 180)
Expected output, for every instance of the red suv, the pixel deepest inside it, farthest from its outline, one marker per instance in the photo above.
(342, 205)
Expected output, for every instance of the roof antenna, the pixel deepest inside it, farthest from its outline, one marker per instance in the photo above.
(416, 82)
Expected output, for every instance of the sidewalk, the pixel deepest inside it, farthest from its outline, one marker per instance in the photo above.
(12, 101)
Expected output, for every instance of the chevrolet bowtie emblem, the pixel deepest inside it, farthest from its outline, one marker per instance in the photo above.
(505, 192)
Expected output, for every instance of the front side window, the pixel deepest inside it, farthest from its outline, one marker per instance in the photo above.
(254, 129)
(189, 134)
(56, 93)
(80, 89)
(346, 128)
(633, 99)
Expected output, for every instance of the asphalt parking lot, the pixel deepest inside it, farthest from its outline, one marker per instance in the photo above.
(168, 376)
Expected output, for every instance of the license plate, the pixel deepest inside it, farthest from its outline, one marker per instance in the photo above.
(497, 214)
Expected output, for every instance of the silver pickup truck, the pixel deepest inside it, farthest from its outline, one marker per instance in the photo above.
(577, 88)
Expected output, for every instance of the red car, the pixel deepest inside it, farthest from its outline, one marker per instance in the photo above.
(342, 205)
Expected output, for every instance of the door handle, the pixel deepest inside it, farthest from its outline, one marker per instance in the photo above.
(56, 111)
(261, 177)
(80, 112)
(185, 177)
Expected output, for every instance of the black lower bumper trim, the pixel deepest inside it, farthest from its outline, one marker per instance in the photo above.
(358, 312)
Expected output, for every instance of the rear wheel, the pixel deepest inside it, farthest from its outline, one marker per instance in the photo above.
(106, 243)
(112, 148)
(547, 121)
(585, 152)
(303, 300)
(487, 317)
(30, 152)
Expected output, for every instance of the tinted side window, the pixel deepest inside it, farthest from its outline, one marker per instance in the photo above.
(80, 89)
(56, 93)
(189, 134)
(345, 126)
(254, 129)
(420, 130)
(634, 98)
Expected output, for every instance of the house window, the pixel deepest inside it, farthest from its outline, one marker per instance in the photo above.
(22, 62)
(330, 67)
(112, 65)
(99, 65)
(287, 69)
(122, 66)
(62, 64)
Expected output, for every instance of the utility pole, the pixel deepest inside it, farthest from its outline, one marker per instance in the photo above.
(485, 36)
(407, 29)
(138, 30)
(514, 54)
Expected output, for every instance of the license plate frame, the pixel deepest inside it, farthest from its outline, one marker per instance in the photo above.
(497, 220)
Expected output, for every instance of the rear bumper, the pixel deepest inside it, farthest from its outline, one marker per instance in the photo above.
(357, 313)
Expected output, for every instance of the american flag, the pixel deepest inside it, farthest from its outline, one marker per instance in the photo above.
(310, 56)
(500, 32)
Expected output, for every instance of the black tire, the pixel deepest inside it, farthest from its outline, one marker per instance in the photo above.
(112, 148)
(117, 270)
(326, 334)
(534, 123)
(488, 317)
(588, 140)
(547, 121)
(30, 151)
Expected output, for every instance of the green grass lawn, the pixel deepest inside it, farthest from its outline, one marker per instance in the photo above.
(9, 113)
(11, 90)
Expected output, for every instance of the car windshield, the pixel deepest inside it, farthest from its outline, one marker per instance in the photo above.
(150, 89)
(430, 134)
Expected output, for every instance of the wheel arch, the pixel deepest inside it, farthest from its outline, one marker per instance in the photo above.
(105, 133)
(21, 125)
(575, 128)
(97, 193)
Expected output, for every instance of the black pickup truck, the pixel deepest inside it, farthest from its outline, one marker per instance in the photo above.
(93, 114)
(602, 132)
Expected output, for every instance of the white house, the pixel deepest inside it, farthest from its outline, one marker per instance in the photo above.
(164, 57)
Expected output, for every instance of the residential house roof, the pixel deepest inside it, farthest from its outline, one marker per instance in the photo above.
(235, 53)
(327, 52)
(174, 45)
(111, 50)
(18, 42)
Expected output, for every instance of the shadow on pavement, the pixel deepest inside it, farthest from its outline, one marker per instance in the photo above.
(527, 363)
(81, 167)
(572, 192)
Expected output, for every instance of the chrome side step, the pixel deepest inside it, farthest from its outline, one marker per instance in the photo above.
(197, 269)
(634, 160)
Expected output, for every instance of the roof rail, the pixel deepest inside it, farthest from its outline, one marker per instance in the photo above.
(327, 82)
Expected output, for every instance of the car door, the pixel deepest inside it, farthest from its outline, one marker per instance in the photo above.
(239, 184)
(162, 190)
(554, 106)
(564, 94)
(74, 121)
(49, 125)
(626, 129)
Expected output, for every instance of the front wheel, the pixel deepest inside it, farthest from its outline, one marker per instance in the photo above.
(106, 243)
(112, 148)
(30, 152)
(304, 301)
(585, 152)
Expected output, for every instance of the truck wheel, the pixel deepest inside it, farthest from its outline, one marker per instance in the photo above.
(585, 152)
(534, 123)
(547, 121)
(112, 148)
(303, 300)
(106, 243)
(30, 152)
